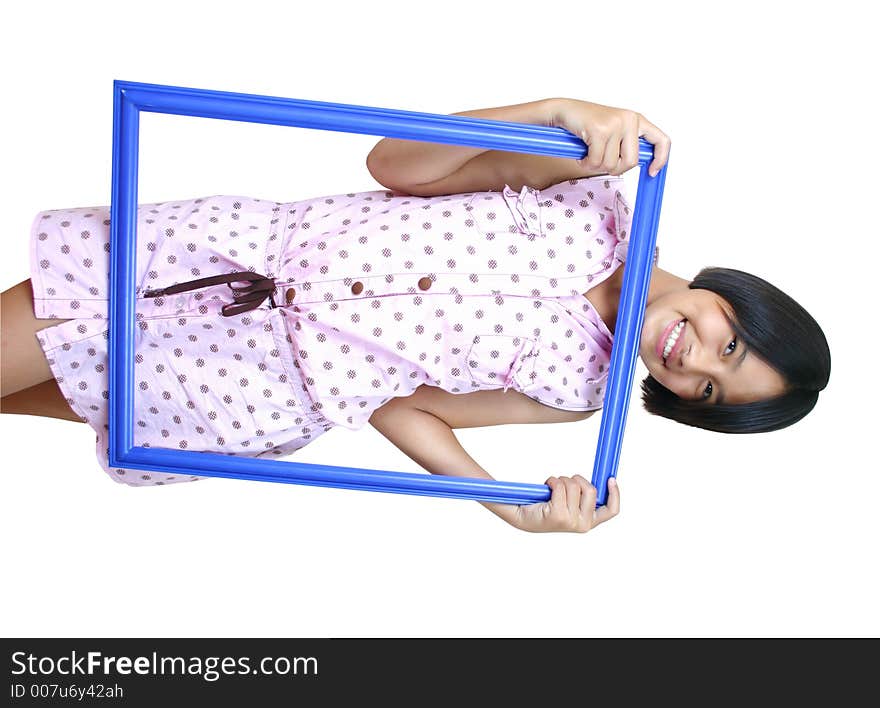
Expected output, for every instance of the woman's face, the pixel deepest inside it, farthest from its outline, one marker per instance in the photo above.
(690, 348)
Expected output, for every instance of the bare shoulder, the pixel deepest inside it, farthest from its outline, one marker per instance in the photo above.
(484, 408)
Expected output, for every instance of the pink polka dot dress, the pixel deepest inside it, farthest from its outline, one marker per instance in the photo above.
(375, 294)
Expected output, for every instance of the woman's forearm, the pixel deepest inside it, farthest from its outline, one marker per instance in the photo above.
(412, 162)
(431, 443)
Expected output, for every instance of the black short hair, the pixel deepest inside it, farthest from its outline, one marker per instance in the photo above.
(776, 329)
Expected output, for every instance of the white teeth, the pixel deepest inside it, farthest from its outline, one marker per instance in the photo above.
(673, 338)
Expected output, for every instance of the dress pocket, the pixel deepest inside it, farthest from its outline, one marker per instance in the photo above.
(506, 212)
(500, 361)
(525, 209)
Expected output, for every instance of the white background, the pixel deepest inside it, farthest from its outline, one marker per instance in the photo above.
(773, 171)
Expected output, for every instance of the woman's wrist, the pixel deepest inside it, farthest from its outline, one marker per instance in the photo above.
(538, 112)
(506, 512)
(552, 108)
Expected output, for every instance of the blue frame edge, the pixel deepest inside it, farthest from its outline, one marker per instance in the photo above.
(130, 98)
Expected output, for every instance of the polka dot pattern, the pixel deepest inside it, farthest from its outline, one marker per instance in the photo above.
(378, 293)
(464, 292)
(203, 382)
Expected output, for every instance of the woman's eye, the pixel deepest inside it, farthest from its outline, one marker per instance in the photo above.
(731, 348)
(707, 392)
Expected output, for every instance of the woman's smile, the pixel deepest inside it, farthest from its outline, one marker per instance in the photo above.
(670, 340)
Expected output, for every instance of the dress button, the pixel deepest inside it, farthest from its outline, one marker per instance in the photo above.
(289, 295)
(424, 283)
(357, 288)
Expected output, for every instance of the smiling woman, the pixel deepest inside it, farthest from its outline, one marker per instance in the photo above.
(698, 356)
(748, 358)
(727, 351)
(480, 288)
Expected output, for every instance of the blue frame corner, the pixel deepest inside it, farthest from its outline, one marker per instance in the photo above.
(130, 98)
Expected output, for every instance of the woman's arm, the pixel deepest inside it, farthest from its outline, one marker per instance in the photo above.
(427, 169)
(412, 424)
(409, 163)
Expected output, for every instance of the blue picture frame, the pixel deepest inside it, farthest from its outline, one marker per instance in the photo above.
(130, 98)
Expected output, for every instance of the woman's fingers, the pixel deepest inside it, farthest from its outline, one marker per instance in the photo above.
(572, 505)
(659, 140)
(613, 502)
(587, 504)
(586, 490)
(580, 497)
(629, 148)
(613, 155)
(611, 159)
(572, 498)
(611, 136)
(611, 507)
(596, 145)
(558, 495)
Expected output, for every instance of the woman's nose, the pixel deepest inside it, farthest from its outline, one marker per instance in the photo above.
(696, 360)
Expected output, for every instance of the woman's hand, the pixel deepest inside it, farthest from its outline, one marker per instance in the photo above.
(611, 134)
(572, 507)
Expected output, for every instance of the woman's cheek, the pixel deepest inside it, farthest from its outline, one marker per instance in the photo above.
(674, 384)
